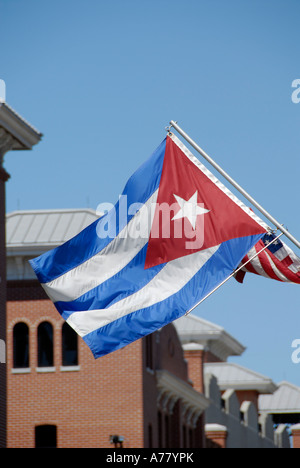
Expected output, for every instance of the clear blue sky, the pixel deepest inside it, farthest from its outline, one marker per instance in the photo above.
(101, 80)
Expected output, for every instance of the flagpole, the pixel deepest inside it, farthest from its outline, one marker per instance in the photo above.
(234, 273)
(235, 184)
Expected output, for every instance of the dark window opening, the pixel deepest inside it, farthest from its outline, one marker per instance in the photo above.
(21, 345)
(191, 438)
(160, 429)
(149, 351)
(45, 345)
(184, 441)
(167, 434)
(45, 436)
(150, 436)
(69, 346)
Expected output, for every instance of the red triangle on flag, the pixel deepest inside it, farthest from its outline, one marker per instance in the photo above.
(192, 212)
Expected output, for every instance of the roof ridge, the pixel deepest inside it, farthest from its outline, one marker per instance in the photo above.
(51, 210)
(289, 384)
(239, 366)
(29, 125)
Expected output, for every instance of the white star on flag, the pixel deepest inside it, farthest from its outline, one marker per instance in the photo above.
(189, 209)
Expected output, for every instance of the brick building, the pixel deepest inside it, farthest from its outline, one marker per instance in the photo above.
(15, 134)
(81, 402)
(58, 394)
(152, 393)
(157, 392)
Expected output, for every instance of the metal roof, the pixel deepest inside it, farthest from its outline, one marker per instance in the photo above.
(45, 228)
(4, 105)
(286, 399)
(231, 375)
(194, 330)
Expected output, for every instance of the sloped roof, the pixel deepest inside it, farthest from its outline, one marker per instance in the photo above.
(25, 135)
(40, 230)
(194, 330)
(286, 399)
(231, 375)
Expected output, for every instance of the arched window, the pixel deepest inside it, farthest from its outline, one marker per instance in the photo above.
(45, 436)
(21, 345)
(69, 346)
(45, 345)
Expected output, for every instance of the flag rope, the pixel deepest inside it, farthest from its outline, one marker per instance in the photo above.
(234, 273)
(234, 183)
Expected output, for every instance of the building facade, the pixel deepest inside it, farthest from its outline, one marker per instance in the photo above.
(60, 396)
(154, 393)
(15, 134)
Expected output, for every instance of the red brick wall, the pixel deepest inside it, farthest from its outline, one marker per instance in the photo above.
(103, 398)
(167, 355)
(248, 395)
(195, 366)
(210, 357)
(196, 359)
(216, 439)
(296, 437)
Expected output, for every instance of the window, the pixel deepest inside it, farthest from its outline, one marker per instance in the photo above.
(45, 345)
(167, 435)
(20, 345)
(45, 436)
(160, 429)
(184, 437)
(69, 346)
(191, 438)
(150, 436)
(149, 351)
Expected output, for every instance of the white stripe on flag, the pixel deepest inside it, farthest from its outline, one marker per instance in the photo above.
(109, 261)
(255, 263)
(295, 267)
(158, 289)
(278, 273)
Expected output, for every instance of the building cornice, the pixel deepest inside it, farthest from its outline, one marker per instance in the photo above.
(20, 133)
(175, 388)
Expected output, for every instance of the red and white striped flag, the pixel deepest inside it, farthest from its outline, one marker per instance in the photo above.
(277, 262)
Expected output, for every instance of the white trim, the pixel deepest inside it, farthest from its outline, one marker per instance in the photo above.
(25, 134)
(258, 382)
(45, 369)
(69, 368)
(213, 427)
(167, 382)
(21, 370)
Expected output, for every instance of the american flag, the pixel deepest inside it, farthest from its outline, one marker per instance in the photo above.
(277, 262)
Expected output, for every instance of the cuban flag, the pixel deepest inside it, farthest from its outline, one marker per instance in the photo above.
(124, 277)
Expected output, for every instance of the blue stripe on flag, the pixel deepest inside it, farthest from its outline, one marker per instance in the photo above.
(87, 243)
(126, 282)
(135, 325)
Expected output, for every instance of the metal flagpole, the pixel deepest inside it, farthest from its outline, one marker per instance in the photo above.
(232, 274)
(235, 184)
